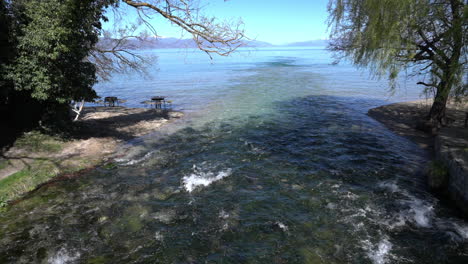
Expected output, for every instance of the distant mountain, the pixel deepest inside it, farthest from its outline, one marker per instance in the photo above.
(257, 44)
(163, 43)
(169, 43)
(310, 43)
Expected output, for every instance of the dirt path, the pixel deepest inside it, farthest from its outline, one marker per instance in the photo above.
(402, 118)
(99, 131)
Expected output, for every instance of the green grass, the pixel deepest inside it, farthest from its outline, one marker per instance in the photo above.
(3, 164)
(26, 180)
(39, 142)
(41, 167)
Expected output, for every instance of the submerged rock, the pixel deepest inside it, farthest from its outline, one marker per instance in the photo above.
(165, 216)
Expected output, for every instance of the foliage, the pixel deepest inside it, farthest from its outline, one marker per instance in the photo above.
(6, 52)
(394, 35)
(54, 38)
(50, 53)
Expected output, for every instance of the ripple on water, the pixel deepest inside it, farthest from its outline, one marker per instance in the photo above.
(278, 177)
(203, 177)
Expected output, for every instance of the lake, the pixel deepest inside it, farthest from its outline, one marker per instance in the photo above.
(276, 161)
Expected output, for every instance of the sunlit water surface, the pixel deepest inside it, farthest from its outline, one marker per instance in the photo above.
(276, 161)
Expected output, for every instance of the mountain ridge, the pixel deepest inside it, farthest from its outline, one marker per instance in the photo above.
(169, 43)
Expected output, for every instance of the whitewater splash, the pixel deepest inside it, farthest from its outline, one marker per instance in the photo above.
(414, 210)
(129, 162)
(63, 257)
(200, 178)
(378, 254)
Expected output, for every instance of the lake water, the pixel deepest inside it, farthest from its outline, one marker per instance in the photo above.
(276, 161)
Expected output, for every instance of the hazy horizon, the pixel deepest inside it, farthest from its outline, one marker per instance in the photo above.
(268, 21)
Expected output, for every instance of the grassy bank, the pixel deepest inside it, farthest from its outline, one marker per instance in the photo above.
(36, 157)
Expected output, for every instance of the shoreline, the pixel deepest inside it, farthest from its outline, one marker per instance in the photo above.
(447, 173)
(36, 159)
(400, 119)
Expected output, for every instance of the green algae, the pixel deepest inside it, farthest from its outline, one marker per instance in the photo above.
(310, 256)
(98, 260)
(14, 186)
(39, 142)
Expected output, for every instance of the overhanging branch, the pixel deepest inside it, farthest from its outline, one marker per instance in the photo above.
(210, 36)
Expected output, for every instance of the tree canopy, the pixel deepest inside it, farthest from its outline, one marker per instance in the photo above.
(54, 37)
(50, 53)
(388, 36)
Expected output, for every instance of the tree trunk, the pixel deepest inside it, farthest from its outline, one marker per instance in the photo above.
(437, 117)
(77, 108)
(450, 67)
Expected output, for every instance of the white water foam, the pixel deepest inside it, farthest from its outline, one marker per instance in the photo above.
(126, 162)
(461, 230)
(455, 229)
(390, 186)
(63, 257)
(199, 178)
(159, 236)
(223, 214)
(378, 254)
(421, 212)
(417, 211)
(282, 226)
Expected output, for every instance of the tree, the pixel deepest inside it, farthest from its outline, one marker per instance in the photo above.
(54, 38)
(428, 36)
(6, 53)
(53, 56)
(114, 53)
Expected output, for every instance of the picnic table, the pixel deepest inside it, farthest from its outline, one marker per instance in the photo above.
(159, 102)
(110, 101)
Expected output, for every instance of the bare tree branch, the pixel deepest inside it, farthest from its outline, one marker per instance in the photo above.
(115, 53)
(210, 36)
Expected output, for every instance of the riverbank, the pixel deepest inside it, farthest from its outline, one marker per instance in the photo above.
(448, 172)
(36, 158)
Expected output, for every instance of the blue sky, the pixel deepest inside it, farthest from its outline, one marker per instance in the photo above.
(274, 21)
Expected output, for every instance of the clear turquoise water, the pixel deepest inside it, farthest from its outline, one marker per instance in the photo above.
(191, 80)
(275, 162)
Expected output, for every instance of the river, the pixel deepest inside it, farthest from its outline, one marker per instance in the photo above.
(276, 161)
